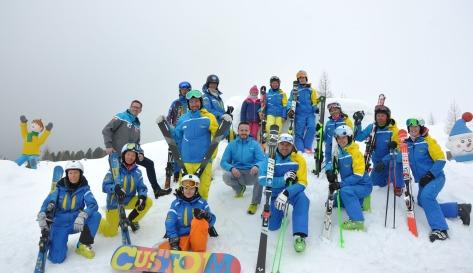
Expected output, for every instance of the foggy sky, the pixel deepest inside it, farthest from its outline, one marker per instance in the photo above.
(77, 63)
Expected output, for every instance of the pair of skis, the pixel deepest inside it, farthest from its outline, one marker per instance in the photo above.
(292, 109)
(45, 238)
(319, 138)
(370, 141)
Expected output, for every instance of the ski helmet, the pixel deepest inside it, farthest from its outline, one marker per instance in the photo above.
(286, 138)
(185, 85)
(131, 147)
(194, 94)
(74, 165)
(193, 180)
(300, 74)
(344, 130)
(383, 109)
(334, 104)
(212, 79)
(274, 79)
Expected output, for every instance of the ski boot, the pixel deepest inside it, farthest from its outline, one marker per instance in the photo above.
(353, 225)
(85, 250)
(213, 232)
(161, 192)
(299, 243)
(464, 211)
(241, 192)
(252, 208)
(135, 226)
(438, 235)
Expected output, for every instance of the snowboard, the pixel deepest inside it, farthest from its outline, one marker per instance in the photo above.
(139, 259)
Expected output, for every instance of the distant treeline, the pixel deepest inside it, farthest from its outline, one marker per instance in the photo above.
(68, 155)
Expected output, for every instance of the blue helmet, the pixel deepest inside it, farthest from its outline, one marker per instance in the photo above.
(185, 85)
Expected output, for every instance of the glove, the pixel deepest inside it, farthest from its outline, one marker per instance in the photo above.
(290, 176)
(140, 203)
(316, 109)
(49, 126)
(334, 186)
(80, 221)
(229, 110)
(174, 243)
(331, 176)
(227, 117)
(160, 119)
(41, 218)
(392, 145)
(426, 179)
(379, 167)
(290, 114)
(23, 119)
(358, 117)
(201, 214)
(119, 192)
(281, 201)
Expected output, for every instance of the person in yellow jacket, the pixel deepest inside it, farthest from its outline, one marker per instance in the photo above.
(32, 141)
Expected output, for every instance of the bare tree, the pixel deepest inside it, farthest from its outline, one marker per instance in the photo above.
(454, 113)
(431, 120)
(324, 86)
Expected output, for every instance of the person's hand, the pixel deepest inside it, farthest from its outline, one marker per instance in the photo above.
(109, 151)
(236, 173)
(254, 170)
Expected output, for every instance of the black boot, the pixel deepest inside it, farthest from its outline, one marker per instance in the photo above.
(213, 232)
(133, 225)
(438, 235)
(464, 211)
(161, 192)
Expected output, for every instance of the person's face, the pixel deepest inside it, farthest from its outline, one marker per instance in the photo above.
(73, 176)
(188, 188)
(243, 131)
(213, 86)
(285, 148)
(302, 80)
(274, 85)
(381, 119)
(130, 157)
(342, 141)
(414, 131)
(35, 127)
(183, 91)
(194, 104)
(135, 108)
(334, 112)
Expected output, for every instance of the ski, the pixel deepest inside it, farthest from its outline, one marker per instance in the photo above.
(166, 131)
(319, 137)
(327, 228)
(169, 170)
(114, 162)
(272, 146)
(295, 92)
(147, 259)
(370, 141)
(409, 199)
(45, 234)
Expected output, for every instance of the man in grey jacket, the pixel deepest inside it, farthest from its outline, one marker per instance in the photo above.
(125, 128)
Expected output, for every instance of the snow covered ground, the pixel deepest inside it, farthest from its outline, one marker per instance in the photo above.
(390, 250)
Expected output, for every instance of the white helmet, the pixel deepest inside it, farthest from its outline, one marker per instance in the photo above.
(286, 138)
(191, 177)
(343, 130)
(74, 165)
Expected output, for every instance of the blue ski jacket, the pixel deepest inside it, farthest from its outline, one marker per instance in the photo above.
(383, 136)
(425, 155)
(177, 109)
(249, 110)
(306, 101)
(276, 102)
(131, 181)
(214, 104)
(351, 166)
(329, 130)
(242, 154)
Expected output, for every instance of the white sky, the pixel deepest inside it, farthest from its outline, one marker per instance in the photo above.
(77, 63)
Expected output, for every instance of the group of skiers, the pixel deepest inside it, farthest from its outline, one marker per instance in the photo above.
(194, 119)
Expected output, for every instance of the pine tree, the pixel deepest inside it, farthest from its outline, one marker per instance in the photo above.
(88, 154)
(79, 155)
(98, 153)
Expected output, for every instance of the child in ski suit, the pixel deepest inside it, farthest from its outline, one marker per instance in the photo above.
(76, 210)
(32, 141)
(337, 118)
(355, 182)
(275, 106)
(305, 114)
(249, 111)
(288, 185)
(427, 161)
(188, 219)
(131, 190)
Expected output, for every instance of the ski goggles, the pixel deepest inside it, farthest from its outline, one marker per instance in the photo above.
(334, 105)
(193, 94)
(185, 85)
(414, 122)
(189, 184)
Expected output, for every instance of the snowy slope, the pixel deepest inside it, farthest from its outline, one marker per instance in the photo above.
(391, 250)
